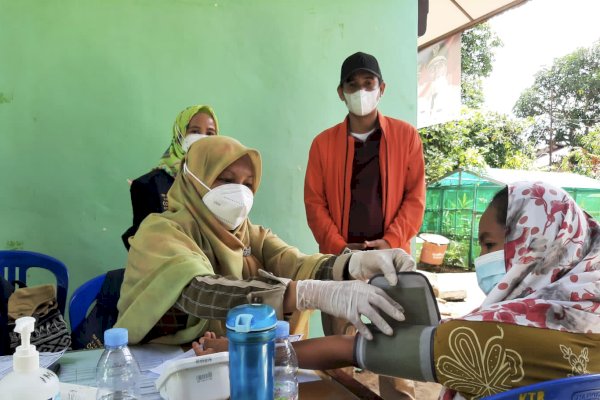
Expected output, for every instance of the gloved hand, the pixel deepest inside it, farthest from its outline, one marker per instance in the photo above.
(349, 300)
(364, 265)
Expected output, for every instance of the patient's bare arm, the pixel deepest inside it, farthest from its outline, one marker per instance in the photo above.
(321, 353)
(325, 353)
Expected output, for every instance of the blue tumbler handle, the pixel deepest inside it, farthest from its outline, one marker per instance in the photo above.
(243, 323)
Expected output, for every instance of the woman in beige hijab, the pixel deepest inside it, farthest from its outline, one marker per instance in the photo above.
(189, 265)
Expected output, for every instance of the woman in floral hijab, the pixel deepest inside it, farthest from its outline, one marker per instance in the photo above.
(540, 267)
(551, 282)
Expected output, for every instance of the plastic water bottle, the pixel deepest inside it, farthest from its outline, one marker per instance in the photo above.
(286, 364)
(117, 373)
(251, 334)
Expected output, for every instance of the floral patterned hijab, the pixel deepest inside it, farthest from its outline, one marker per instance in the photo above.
(552, 255)
(170, 162)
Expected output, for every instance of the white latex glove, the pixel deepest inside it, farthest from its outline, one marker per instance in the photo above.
(349, 300)
(364, 265)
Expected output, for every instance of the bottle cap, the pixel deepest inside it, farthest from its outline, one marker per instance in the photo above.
(26, 357)
(116, 337)
(251, 318)
(282, 330)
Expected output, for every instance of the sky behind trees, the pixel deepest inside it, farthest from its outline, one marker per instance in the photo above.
(533, 36)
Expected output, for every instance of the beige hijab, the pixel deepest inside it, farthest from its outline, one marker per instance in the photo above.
(171, 248)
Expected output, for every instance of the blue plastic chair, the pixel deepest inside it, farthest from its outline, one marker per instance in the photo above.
(15, 263)
(572, 388)
(82, 299)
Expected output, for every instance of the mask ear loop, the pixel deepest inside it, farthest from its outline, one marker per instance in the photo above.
(187, 171)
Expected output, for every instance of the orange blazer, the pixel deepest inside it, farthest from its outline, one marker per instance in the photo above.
(327, 184)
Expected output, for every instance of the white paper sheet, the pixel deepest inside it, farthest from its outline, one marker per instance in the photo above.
(148, 356)
(86, 376)
(152, 355)
(80, 375)
(46, 359)
(160, 368)
(70, 391)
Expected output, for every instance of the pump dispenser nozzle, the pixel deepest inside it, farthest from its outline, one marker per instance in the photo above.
(26, 357)
(28, 381)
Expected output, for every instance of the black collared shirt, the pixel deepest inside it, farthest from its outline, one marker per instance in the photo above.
(365, 219)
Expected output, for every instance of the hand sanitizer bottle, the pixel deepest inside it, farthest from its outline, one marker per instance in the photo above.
(28, 381)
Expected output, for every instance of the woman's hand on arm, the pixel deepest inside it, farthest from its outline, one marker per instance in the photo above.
(379, 244)
(355, 246)
(349, 300)
(364, 265)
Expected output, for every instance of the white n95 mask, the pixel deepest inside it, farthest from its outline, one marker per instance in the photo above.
(362, 102)
(190, 139)
(490, 269)
(230, 203)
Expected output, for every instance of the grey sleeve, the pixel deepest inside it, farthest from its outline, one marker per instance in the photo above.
(407, 354)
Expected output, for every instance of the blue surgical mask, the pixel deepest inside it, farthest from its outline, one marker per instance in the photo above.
(490, 269)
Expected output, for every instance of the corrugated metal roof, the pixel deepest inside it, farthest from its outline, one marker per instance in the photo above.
(560, 179)
(499, 176)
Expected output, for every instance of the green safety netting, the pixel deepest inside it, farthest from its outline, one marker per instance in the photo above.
(455, 203)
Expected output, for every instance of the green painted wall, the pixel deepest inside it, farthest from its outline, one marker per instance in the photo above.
(89, 90)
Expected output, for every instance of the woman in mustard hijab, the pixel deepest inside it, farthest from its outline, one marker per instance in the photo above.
(149, 191)
(189, 265)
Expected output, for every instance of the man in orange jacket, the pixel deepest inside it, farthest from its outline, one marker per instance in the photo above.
(365, 180)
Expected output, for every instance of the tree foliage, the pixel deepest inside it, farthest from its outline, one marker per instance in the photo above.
(591, 141)
(477, 55)
(475, 141)
(479, 139)
(564, 100)
(585, 160)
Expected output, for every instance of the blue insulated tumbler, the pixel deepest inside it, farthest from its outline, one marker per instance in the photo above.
(251, 334)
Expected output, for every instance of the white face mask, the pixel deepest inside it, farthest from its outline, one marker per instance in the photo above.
(362, 102)
(490, 269)
(191, 138)
(230, 203)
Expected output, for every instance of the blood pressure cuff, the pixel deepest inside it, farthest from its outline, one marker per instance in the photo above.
(408, 353)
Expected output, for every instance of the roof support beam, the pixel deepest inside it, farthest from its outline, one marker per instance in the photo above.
(472, 20)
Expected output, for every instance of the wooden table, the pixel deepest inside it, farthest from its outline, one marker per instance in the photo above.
(336, 384)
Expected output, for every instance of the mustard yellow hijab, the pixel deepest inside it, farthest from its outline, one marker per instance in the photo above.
(172, 248)
(170, 161)
(207, 159)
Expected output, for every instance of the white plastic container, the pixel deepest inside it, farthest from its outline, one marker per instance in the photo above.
(206, 376)
(28, 381)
